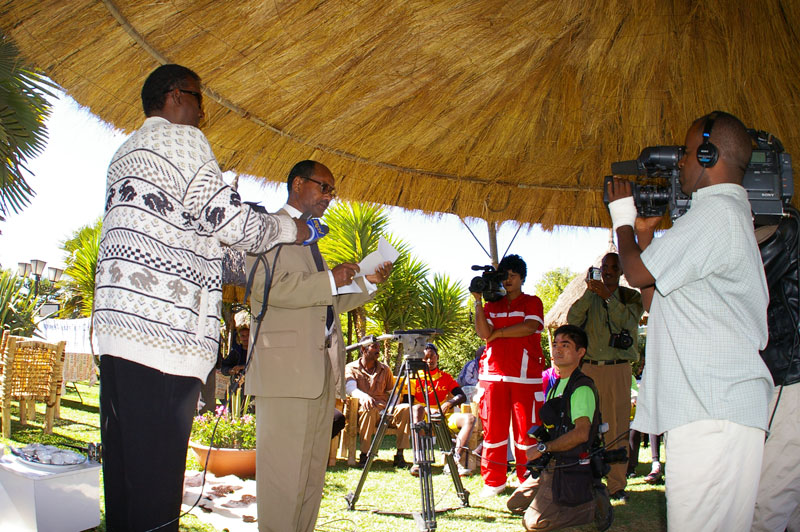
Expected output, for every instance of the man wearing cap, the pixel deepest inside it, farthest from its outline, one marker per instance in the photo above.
(371, 382)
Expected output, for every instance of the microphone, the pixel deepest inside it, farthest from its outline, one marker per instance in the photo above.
(627, 168)
(316, 230)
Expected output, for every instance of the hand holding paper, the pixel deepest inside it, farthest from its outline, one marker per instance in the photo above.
(385, 253)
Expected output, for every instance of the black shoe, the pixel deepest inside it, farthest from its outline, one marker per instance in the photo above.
(399, 461)
(362, 461)
(619, 496)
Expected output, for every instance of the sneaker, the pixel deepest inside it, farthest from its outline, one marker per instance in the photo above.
(414, 471)
(362, 461)
(399, 461)
(463, 471)
(619, 496)
(491, 491)
(654, 477)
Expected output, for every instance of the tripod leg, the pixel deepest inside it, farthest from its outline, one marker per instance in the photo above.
(352, 497)
(445, 444)
(424, 457)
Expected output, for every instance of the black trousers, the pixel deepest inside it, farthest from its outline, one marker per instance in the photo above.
(145, 422)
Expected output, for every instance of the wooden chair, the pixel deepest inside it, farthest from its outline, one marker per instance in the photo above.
(30, 371)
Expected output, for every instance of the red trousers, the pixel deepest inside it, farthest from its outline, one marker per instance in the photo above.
(501, 404)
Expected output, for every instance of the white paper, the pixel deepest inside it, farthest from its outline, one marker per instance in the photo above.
(370, 263)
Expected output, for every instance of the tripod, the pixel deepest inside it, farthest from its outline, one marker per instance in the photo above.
(422, 436)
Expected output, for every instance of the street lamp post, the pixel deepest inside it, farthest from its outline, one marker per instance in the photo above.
(36, 268)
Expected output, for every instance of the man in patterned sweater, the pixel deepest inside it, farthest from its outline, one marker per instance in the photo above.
(157, 296)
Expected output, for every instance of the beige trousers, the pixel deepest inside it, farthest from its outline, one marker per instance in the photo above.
(778, 501)
(712, 472)
(534, 500)
(293, 441)
(368, 423)
(613, 385)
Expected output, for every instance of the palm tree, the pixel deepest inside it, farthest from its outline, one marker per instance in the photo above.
(81, 261)
(23, 110)
(442, 307)
(355, 229)
(18, 307)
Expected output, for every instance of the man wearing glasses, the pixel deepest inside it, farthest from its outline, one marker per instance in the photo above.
(168, 214)
(298, 363)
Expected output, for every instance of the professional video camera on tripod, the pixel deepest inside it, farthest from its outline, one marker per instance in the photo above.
(425, 432)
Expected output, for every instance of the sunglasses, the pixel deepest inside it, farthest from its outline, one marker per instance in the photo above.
(196, 94)
(327, 189)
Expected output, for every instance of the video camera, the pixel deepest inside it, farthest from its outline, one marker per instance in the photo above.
(489, 283)
(767, 179)
(412, 340)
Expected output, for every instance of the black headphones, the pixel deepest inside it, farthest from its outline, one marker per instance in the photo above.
(707, 153)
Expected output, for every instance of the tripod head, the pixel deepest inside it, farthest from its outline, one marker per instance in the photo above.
(412, 340)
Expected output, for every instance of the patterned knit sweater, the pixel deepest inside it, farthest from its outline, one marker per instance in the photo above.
(158, 285)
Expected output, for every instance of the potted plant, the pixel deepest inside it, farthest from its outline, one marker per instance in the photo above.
(225, 440)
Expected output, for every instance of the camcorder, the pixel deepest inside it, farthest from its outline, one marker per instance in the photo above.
(767, 179)
(621, 340)
(489, 283)
(594, 273)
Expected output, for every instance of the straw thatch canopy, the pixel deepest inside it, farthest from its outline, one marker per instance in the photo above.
(503, 110)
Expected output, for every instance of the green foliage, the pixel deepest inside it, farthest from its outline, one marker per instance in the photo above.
(236, 428)
(18, 307)
(462, 345)
(549, 289)
(355, 229)
(552, 284)
(81, 260)
(396, 304)
(23, 136)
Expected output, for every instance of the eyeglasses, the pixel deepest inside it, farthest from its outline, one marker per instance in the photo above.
(327, 189)
(196, 94)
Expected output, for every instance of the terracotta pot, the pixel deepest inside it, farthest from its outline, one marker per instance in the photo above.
(239, 462)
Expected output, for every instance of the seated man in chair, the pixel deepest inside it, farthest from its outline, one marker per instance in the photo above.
(370, 381)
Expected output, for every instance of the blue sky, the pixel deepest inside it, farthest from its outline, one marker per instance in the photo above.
(69, 180)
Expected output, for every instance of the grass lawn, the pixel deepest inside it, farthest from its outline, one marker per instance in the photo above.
(388, 495)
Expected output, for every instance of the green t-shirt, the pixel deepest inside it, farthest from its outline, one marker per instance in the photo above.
(581, 403)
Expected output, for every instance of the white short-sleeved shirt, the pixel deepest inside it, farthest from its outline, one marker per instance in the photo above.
(708, 318)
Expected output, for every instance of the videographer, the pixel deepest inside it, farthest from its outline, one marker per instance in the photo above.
(778, 500)
(565, 492)
(510, 378)
(703, 283)
(610, 314)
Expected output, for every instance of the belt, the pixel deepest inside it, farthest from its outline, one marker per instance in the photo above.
(605, 362)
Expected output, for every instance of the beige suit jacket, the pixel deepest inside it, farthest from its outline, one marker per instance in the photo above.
(288, 357)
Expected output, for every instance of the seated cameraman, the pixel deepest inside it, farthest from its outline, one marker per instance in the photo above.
(566, 492)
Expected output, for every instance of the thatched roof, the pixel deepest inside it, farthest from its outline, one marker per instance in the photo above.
(493, 109)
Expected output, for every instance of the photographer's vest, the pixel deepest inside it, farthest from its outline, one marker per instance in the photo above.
(572, 480)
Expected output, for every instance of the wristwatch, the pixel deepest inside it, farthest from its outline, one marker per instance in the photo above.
(542, 447)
